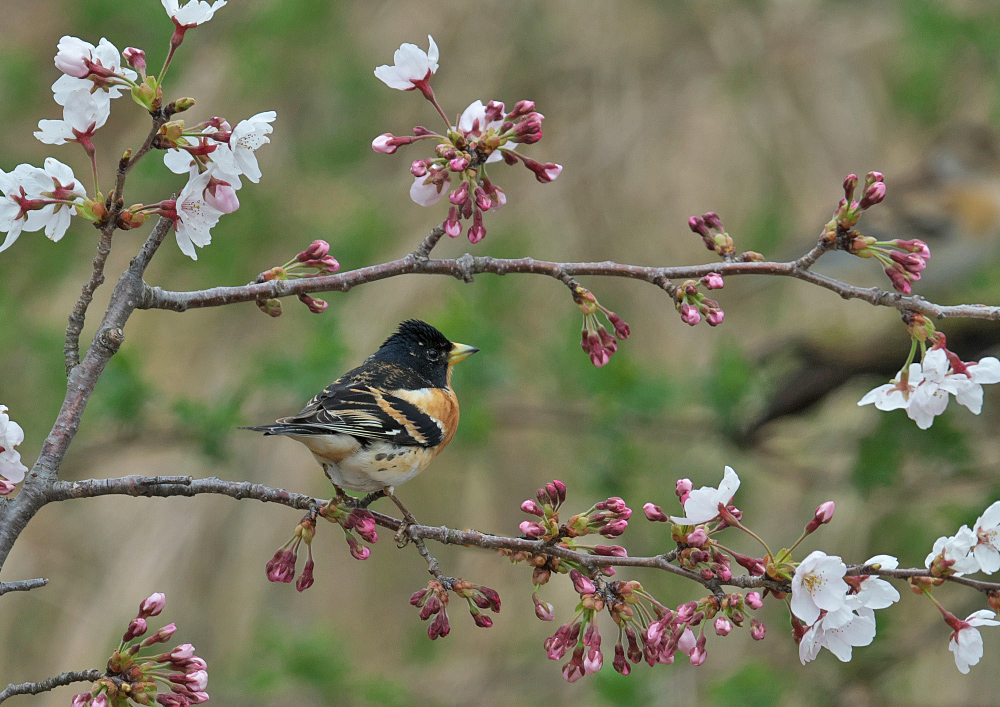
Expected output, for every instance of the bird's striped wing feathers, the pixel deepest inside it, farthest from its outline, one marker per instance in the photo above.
(367, 413)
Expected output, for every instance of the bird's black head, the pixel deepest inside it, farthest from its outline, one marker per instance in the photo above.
(419, 347)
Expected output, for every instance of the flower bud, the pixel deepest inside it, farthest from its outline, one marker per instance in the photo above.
(135, 629)
(136, 58)
(152, 605)
(698, 537)
(543, 610)
(823, 515)
(757, 629)
(521, 108)
(316, 250)
(383, 145)
(582, 584)
(610, 551)
(654, 513)
(713, 281)
(754, 601)
(715, 317)
(183, 104)
(161, 636)
(316, 306)
(722, 626)
(532, 507)
(531, 530)
(873, 195)
(306, 578)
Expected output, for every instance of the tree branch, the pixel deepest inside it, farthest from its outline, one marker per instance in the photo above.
(465, 267)
(33, 688)
(167, 486)
(22, 585)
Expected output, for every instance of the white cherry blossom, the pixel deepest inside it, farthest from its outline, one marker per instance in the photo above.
(472, 123)
(892, 396)
(427, 194)
(83, 114)
(54, 181)
(195, 216)
(11, 435)
(410, 65)
(702, 505)
(956, 548)
(818, 585)
(238, 158)
(192, 13)
(839, 632)
(75, 60)
(877, 593)
(970, 390)
(930, 398)
(987, 548)
(966, 642)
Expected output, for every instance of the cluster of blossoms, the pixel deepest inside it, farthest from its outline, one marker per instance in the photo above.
(433, 601)
(923, 389)
(596, 341)
(849, 211)
(213, 154)
(132, 678)
(317, 259)
(481, 135)
(281, 567)
(692, 304)
(903, 260)
(12, 470)
(608, 518)
(713, 235)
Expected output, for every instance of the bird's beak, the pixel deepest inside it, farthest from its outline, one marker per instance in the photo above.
(460, 352)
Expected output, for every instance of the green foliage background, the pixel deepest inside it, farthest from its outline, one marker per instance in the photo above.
(657, 110)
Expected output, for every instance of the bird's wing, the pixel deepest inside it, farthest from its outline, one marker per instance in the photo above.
(368, 414)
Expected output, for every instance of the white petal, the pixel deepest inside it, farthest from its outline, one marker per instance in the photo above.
(986, 371)
(425, 194)
(432, 54)
(54, 132)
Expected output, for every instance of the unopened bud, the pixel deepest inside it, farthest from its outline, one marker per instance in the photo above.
(823, 515)
(183, 104)
(136, 58)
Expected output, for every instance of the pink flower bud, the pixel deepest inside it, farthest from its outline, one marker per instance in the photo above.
(715, 317)
(482, 621)
(494, 110)
(418, 168)
(197, 698)
(697, 224)
(654, 513)
(873, 195)
(823, 515)
(316, 306)
(560, 488)
(221, 195)
(521, 108)
(477, 231)
(482, 200)
(593, 662)
(757, 629)
(358, 551)
(722, 626)
(543, 610)
(614, 528)
(81, 700)
(161, 636)
(544, 173)
(698, 537)
(316, 250)
(690, 314)
(458, 164)
(712, 220)
(135, 629)
(532, 507)
(181, 652)
(900, 282)
(306, 578)
(460, 195)
(152, 605)
(136, 58)
(713, 281)
(699, 654)
(913, 246)
(439, 626)
(754, 600)
(581, 584)
(531, 529)
(850, 184)
(100, 701)
(383, 144)
(417, 599)
(6, 487)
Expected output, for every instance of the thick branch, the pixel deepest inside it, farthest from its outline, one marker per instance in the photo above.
(165, 486)
(22, 585)
(33, 688)
(465, 267)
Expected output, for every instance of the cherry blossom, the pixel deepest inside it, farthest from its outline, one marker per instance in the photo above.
(893, 396)
(970, 390)
(194, 216)
(702, 505)
(239, 158)
(987, 548)
(473, 123)
(83, 114)
(875, 593)
(426, 192)
(839, 632)
(89, 67)
(953, 553)
(930, 397)
(11, 468)
(33, 200)
(192, 13)
(411, 66)
(966, 642)
(818, 585)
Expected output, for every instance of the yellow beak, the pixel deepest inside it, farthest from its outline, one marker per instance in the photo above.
(460, 352)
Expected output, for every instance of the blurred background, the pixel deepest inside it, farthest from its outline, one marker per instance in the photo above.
(658, 111)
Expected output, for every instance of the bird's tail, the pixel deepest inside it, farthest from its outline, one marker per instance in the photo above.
(279, 429)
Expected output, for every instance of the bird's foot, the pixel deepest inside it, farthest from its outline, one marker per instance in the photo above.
(403, 534)
(365, 501)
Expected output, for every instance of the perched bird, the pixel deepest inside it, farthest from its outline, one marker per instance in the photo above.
(381, 424)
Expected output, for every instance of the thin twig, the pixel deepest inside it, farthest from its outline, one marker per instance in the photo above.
(22, 585)
(34, 688)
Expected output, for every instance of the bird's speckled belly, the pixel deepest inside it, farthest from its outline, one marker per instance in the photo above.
(377, 465)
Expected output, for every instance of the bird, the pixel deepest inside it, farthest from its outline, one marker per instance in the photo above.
(380, 424)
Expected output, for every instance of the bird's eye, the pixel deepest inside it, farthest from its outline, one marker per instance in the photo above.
(433, 355)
